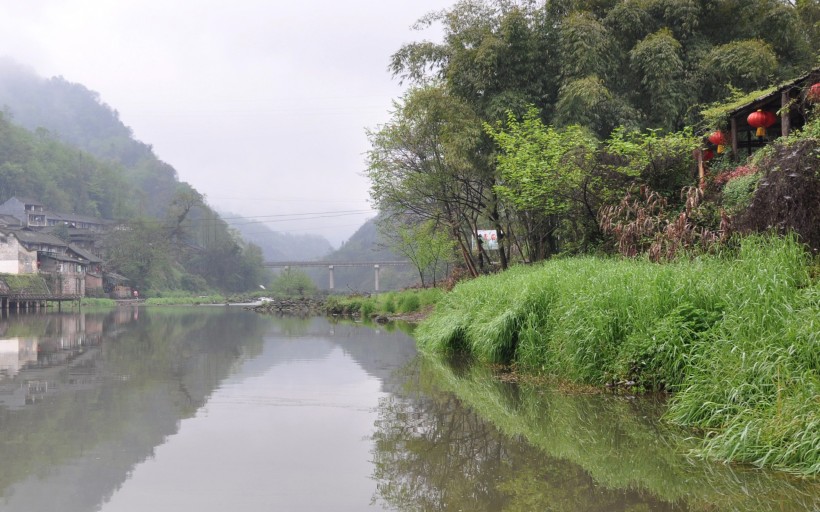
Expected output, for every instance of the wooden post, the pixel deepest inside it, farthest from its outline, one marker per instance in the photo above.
(733, 135)
(785, 110)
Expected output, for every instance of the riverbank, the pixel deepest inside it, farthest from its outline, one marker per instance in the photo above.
(735, 339)
(411, 305)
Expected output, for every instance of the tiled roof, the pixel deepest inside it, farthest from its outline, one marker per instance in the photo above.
(36, 237)
(86, 255)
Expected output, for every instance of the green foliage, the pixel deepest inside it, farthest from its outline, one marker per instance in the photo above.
(587, 102)
(621, 70)
(143, 253)
(745, 65)
(293, 283)
(408, 303)
(737, 336)
(98, 302)
(586, 47)
(539, 164)
(738, 193)
(425, 244)
(657, 59)
(405, 301)
(658, 356)
(177, 299)
(60, 176)
(662, 161)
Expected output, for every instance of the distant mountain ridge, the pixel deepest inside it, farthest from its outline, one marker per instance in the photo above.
(76, 116)
(278, 246)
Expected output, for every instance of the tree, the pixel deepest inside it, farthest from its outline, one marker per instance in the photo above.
(293, 283)
(141, 251)
(423, 243)
(542, 169)
(420, 164)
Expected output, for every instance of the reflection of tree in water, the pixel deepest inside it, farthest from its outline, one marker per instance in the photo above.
(431, 454)
(434, 451)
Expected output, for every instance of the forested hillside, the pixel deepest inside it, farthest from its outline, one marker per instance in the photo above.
(75, 115)
(60, 145)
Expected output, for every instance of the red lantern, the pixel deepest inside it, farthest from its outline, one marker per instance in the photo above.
(718, 139)
(708, 155)
(814, 93)
(761, 120)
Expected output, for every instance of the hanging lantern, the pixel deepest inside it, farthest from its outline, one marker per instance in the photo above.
(761, 120)
(814, 93)
(708, 155)
(771, 118)
(718, 139)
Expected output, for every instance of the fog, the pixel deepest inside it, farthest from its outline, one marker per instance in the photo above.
(262, 106)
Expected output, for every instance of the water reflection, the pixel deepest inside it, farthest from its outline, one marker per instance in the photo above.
(464, 440)
(208, 408)
(193, 409)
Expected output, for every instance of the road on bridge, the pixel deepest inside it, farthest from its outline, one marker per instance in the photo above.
(377, 265)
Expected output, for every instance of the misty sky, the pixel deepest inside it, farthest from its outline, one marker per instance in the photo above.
(261, 105)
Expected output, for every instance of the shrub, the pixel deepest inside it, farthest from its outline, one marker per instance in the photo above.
(409, 303)
(738, 192)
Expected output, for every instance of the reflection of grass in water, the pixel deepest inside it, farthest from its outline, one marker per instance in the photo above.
(620, 442)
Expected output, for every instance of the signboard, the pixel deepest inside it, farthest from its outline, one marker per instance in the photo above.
(489, 239)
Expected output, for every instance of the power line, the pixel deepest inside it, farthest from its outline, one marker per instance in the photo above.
(243, 221)
(333, 212)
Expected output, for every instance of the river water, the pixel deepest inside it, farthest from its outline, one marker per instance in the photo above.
(215, 408)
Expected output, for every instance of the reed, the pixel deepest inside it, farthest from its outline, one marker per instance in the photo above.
(736, 336)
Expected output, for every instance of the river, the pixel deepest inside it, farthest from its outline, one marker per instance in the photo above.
(213, 408)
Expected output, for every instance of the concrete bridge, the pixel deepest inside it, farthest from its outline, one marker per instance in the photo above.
(334, 264)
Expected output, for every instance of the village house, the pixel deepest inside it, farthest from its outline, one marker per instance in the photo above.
(93, 271)
(63, 247)
(30, 213)
(14, 257)
(63, 268)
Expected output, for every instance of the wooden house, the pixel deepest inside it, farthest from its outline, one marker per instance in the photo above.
(94, 269)
(116, 286)
(779, 109)
(66, 274)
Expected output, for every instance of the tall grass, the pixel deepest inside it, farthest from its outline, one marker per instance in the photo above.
(735, 336)
(389, 303)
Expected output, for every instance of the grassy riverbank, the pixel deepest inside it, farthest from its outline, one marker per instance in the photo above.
(736, 337)
(390, 304)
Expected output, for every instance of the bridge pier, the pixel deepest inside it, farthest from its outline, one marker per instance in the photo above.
(376, 269)
(330, 273)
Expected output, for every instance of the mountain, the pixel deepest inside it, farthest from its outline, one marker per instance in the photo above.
(75, 115)
(277, 246)
(61, 146)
